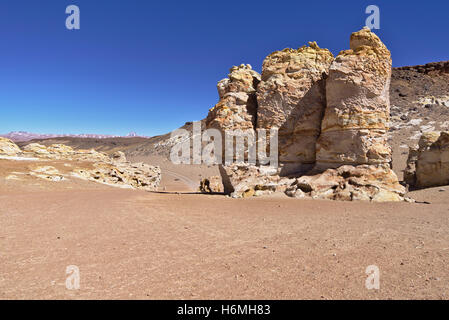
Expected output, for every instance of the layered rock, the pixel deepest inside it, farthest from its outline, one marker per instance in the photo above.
(61, 152)
(377, 183)
(119, 157)
(355, 124)
(124, 174)
(114, 171)
(237, 107)
(47, 173)
(235, 114)
(428, 165)
(8, 148)
(332, 115)
(291, 97)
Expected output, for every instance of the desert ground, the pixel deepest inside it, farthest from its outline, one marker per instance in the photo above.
(178, 244)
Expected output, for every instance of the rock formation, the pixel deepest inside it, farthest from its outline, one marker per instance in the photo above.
(245, 180)
(212, 184)
(332, 115)
(430, 68)
(291, 97)
(376, 183)
(8, 148)
(86, 164)
(355, 124)
(123, 174)
(428, 165)
(237, 107)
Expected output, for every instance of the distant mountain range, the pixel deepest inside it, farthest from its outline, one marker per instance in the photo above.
(21, 136)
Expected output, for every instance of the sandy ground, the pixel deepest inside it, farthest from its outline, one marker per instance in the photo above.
(141, 245)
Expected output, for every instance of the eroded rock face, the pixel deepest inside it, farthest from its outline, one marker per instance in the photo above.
(212, 184)
(245, 180)
(428, 165)
(355, 124)
(291, 97)
(8, 148)
(237, 107)
(126, 175)
(377, 183)
(332, 116)
(63, 152)
(47, 173)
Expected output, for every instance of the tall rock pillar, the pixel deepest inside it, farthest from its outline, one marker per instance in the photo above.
(355, 124)
(291, 97)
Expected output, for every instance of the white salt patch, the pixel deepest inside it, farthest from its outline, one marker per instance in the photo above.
(415, 122)
(19, 158)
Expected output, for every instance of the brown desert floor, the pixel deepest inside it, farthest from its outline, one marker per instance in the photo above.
(140, 245)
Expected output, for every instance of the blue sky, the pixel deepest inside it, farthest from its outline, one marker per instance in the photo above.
(150, 66)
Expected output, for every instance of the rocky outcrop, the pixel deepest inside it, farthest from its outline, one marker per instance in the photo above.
(332, 115)
(8, 148)
(291, 97)
(63, 152)
(428, 165)
(355, 124)
(245, 180)
(237, 107)
(377, 183)
(124, 174)
(48, 173)
(119, 157)
(99, 167)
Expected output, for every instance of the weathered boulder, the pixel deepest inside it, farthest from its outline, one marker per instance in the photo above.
(428, 165)
(237, 107)
(355, 124)
(377, 183)
(127, 175)
(291, 97)
(8, 148)
(114, 170)
(332, 115)
(47, 173)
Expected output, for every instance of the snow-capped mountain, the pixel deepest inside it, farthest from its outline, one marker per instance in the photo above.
(18, 136)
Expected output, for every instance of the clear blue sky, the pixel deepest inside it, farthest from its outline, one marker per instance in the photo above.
(150, 66)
